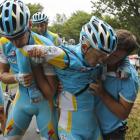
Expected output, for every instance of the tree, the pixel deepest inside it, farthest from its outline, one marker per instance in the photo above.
(126, 12)
(58, 23)
(60, 19)
(72, 27)
(35, 8)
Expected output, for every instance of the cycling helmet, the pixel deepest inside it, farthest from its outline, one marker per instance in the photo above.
(14, 18)
(99, 34)
(39, 17)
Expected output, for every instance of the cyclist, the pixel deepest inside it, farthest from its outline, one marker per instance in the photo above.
(40, 20)
(76, 66)
(117, 95)
(29, 101)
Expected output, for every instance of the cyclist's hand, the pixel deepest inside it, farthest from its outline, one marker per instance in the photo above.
(36, 55)
(97, 88)
(122, 74)
(24, 79)
(37, 60)
(36, 52)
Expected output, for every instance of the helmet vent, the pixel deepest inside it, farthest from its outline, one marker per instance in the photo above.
(14, 9)
(21, 19)
(102, 39)
(14, 23)
(6, 13)
(113, 44)
(94, 38)
(27, 19)
(108, 42)
(40, 16)
(89, 28)
(21, 7)
(95, 26)
(111, 32)
(7, 26)
(7, 4)
(1, 25)
(96, 20)
(104, 28)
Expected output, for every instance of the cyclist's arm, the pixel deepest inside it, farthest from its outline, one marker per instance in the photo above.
(53, 82)
(42, 82)
(50, 74)
(51, 54)
(5, 75)
(122, 107)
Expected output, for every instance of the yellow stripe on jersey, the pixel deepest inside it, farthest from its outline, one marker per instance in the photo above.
(9, 127)
(58, 61)
(56, 38)
(74, 103)
(3, 41)
(37, 40)
(69, 123)
(25, 53)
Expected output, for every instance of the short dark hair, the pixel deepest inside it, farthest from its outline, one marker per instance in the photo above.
(127, 41)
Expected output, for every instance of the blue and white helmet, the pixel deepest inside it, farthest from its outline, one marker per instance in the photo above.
(39, 17)
(14, 18)
(99, 34)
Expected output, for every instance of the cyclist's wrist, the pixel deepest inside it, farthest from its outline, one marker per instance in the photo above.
(15, 76)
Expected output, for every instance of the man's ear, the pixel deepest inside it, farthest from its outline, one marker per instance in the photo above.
(85, 48)
(30, 24)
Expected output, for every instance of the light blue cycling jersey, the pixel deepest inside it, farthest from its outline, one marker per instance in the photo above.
(23, 108)
(53, 37)
(127, 89)
(1, 96)
(77, 119)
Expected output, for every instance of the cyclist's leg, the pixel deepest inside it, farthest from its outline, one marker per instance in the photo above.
(78, 121)
(44, 121)
(78, 125)
(18, 119)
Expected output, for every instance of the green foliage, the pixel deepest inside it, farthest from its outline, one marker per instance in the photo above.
(133, 132)
(126, 12)
(58, 23)
(35, 8)
(74, 24)
(71, 28)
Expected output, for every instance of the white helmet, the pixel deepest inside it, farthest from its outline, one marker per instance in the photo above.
(99, 34)
(39, 17)
(14, 18)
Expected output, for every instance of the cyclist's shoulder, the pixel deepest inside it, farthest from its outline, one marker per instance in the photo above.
(4, 41)
(39, 39)
(5, 44)
(53, 34)
(71, 49)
